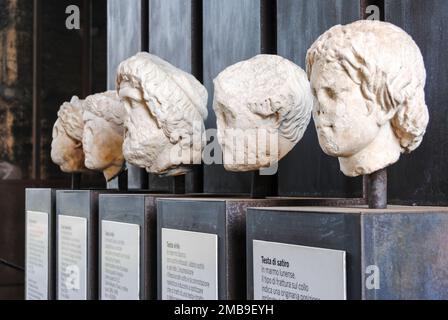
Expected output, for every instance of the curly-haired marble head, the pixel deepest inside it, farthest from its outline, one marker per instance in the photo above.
(104, 115)
(368, 79)
(66, 147)
(166, 108)
(263, 107)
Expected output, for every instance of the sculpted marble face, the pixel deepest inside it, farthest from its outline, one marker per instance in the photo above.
(344, 123)
(368, 81)
(103, 134)
(164, 129)
(66, 147)
(263, 107)
(144, 141)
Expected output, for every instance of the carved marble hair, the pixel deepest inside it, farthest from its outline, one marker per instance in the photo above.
(167, 109)
(70, 117)
(387, 66)
(265, 92)
(66, 147)
(104, 115)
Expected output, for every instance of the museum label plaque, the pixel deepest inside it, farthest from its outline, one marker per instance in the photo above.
(292, 272)
(72, 258)
(120, 261)
(189, 265)
(36, 255)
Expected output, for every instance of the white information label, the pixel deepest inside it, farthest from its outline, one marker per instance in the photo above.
(291, 272)
(189, 265)
(72, 258)
(120, 261)
(36, 253)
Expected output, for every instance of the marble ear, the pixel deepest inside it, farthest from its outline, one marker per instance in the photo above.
(384, 116)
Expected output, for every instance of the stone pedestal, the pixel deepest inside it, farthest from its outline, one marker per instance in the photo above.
(395, 253)
(40, 246)
(128, 241)
(201, 246)
(77, 244)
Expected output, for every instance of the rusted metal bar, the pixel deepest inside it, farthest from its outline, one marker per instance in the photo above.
(263, 186)
(123, 181)
(377, 189)
(178, 185)
(76, 181)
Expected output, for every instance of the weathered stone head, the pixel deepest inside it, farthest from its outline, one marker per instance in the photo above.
(263, 107)
(166, 107)
(104, 116)
(66, 147)
(368, 79)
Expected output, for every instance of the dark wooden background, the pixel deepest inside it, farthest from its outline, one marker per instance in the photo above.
(43, 64)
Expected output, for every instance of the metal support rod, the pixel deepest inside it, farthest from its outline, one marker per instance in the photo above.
(263, 186)
(123, 181)
(377, 189)
(137, 178)
(76, 181)
(195, 179)
(178, 184)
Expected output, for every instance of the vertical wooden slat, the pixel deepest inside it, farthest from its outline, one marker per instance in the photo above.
(232, 32)
(170, 25)
(123, 34)
(37, 27)
(307, 171)
(124, 39)
(268, 26)
(175, 36)
(422, 176)
(86, 59)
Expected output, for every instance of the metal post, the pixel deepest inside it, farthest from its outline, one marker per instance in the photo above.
(179, 184)
(263, 186)
(76, 181)
(377, 189)
(123, 181)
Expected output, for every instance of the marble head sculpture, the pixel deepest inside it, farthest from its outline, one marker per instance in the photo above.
(164, 130)
(368, 79)
(66, 147)
(104, 116)
(263, 106)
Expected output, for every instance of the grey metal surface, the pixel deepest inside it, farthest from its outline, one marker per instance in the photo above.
(307, 171)
(330, 231)
(406, 245)
(123, 35)
(425, 171)
(232, 33)
(140, 209)
(128, 209)
(43, 200)
(196, 217)
(170, 31)
(410, 249)
(83, 204)
(225, 217)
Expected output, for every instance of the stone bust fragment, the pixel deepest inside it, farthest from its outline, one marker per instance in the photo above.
(263, 108)
(368, 79)
(66, 147)
(164, 130)
(104, 116)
